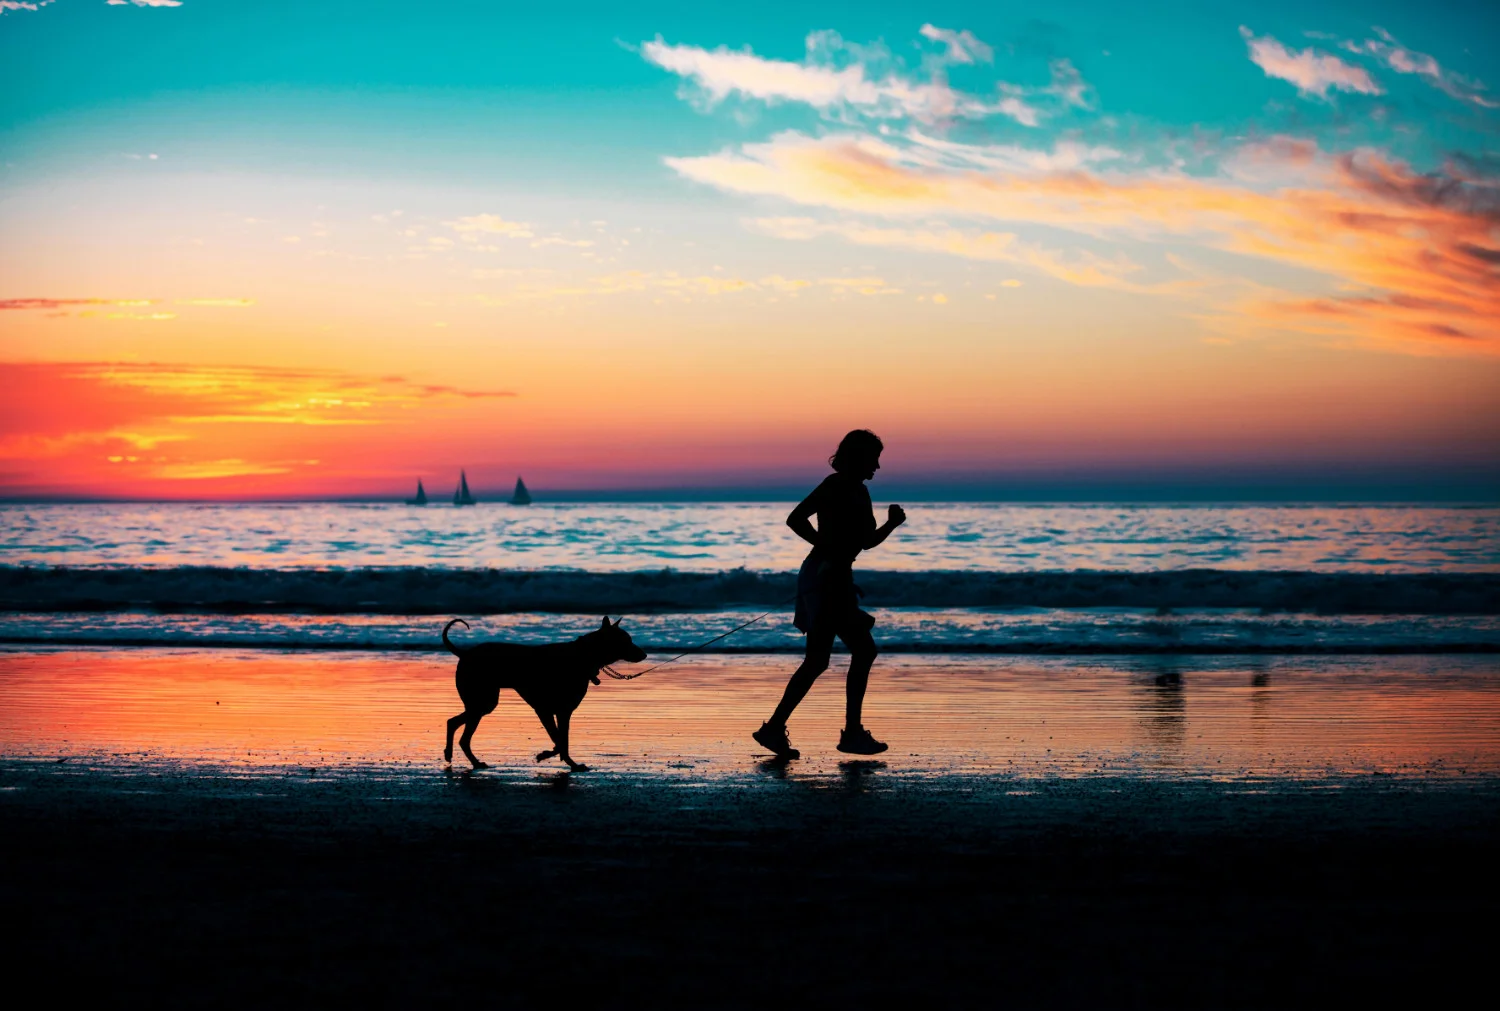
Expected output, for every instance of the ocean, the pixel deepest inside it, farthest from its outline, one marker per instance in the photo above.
(963, 577)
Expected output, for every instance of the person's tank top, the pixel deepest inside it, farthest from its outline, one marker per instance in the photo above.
(846, 519)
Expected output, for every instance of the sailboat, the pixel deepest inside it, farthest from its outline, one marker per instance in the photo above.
(421, 497)
(521, 496)
(461, 495)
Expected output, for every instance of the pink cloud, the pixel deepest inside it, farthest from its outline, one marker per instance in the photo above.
(1313, 73)
(961, 46)
(1414, 256)
(1407, 61)
(846, 81)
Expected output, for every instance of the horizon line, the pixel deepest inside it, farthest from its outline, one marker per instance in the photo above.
(1160, 495)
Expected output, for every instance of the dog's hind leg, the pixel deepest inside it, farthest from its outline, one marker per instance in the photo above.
(551, 728)
(563, 719)
(453, 725)
(468, 735)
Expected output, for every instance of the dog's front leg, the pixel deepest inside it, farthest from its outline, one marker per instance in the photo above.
(551, 728)
(563, 719)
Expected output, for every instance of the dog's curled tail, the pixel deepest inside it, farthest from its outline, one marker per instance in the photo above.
(452, 648)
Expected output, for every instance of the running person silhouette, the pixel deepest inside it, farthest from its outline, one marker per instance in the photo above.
(827, 599)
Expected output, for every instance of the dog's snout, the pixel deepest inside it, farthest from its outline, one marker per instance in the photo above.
(637, 654)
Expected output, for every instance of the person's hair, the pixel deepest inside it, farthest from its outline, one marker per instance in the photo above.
(860, 446)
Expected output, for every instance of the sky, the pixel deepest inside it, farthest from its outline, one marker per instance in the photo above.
(298, 248)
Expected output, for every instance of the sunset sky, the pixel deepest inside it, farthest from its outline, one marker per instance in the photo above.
(298, 248)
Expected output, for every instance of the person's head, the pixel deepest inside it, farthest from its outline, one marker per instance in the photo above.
(858, 455)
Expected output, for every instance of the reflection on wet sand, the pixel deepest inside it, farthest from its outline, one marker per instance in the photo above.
(1164, 712)
(1179, 717)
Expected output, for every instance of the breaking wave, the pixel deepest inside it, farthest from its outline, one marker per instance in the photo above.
(1081, 631)
(422, 591)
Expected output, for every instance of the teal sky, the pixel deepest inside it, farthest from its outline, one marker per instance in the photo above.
(386, 77)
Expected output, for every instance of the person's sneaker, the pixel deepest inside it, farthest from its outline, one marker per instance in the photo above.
(860, 742)
(774, 739)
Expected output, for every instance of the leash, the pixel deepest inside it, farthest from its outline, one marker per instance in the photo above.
(609, 671)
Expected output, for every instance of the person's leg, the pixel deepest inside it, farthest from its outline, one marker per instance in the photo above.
(819, 646)
(862, 654)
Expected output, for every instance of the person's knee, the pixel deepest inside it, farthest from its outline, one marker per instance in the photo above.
(864, 653)
(814, 665)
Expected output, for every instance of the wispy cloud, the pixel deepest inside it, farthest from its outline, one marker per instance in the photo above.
(66, 303)
(786, 285)
(493, 223)
(1397, 57)
(723, 72)
(1080, 268)
(22, 5)
(148, 422)
(670, 283)
(148, 316)
(474, 229)
(858, 285)
(1422, 245)
(1314, 73)
(961, 46)
(308, 396)
(845, 81)
(62, 306)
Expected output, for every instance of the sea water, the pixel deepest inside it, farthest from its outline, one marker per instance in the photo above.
(602, 537)
(978, 577)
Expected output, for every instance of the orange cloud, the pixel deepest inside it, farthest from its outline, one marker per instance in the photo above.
(1425, 245)
(66, 303)
(60, 306)
(111, 428)
(1080, 268)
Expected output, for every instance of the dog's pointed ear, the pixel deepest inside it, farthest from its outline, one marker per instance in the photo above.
(606, 623)
(618, 620)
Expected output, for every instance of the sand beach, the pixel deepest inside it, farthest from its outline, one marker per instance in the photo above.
(257, 826)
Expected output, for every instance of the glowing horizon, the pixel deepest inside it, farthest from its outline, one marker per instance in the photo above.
(658, 249)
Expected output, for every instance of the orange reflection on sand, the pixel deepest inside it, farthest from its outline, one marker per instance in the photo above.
(1291, 717)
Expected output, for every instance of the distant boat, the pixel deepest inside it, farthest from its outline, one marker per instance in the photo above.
(521, 496)
(421, 497)
(461, 495)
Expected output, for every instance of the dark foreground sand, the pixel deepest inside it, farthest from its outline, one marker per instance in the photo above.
(184, 885)
(256, 827)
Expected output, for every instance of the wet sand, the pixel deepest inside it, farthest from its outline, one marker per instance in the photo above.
(255, 827)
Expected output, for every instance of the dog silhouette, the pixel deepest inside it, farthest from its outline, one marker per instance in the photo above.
(551, 679)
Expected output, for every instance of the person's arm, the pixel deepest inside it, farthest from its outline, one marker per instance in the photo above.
(800, 516)
(895, 516)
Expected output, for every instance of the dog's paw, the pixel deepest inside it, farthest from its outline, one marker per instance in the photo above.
(542, 756)
(448, 755)
(481, 765)
(578, 767)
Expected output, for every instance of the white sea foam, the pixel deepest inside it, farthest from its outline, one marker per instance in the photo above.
(1019, 630)
(481, 591)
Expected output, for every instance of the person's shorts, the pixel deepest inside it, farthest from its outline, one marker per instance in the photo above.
(837, 611)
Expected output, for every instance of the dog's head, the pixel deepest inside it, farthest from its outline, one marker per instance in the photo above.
(618, 644)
